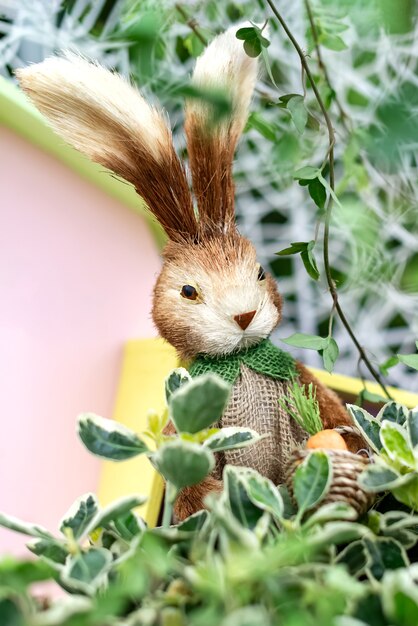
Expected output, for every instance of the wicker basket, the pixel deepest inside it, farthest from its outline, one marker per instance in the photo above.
(346, 468)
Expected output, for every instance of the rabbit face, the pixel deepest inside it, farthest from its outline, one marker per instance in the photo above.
(214, 298)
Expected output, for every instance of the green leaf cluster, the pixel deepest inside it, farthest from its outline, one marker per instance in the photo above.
(302, 405)
(393, 437)
(254, 40)
(326, 346)
(259, 554)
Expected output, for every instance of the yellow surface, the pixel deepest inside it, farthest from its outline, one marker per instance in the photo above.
(353, 386)
(146, 363)
(141, 388)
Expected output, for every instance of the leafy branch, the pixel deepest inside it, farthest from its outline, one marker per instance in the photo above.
(328, 211)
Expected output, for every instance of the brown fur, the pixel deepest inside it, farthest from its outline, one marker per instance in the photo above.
(210, 159)
(85, 103)
(216, 256)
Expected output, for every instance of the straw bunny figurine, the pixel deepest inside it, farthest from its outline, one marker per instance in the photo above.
(213, 301)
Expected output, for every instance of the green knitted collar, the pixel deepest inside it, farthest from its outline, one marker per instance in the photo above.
(264, 358)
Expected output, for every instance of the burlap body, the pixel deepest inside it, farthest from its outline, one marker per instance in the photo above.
(254, 403)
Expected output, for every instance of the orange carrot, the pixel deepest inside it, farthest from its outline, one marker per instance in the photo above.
(328, 439)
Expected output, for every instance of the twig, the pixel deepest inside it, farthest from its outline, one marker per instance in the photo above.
(191, 23)
(344, 117)
(331, 141)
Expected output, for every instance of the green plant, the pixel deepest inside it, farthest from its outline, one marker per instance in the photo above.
(302, 406)
(184, 458)
(393, 437)
(253, 557)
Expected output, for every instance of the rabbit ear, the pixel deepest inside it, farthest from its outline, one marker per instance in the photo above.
(104, 117)
(224, 66)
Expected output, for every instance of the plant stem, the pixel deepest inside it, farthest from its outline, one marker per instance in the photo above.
(331, 140)
(169, 497)
(191, 23)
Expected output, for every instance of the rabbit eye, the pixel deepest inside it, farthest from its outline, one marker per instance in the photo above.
(189, 292)
(261, 274)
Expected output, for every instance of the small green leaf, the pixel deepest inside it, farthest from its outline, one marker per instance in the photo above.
(313, 122)
(11, 613)
(331, 511)
(399, 519)
(194, 522)
(116, 509)
(390, 362)
(129, 525)
(412, 422)
(333, 42)
(18, 574)
(183, 463)
(405, 538)
(288, 96)
(317, 192)
(335, 533)
(397, 446)
(298, 112)
(80, 514)
(199, 404)
(289, 507)
(52, 550)
(246, 33)
(400, 597)
(236, 492)
(265, 128)
(231, 438)
(377, 478)
(407, 492)
(108, 439)
(393, 412)
(295, 248)
(368, 425)
(329, 189)
(264, 494)
(330, 354)
(309, 261)
(355, 558)
(86, 571)
(385, 554)
(253, 47)
(193, 45)
(253, 40)
(310, 342)
(411, 360)
(312, 480)
(32, 530)
(176, 379)
(368, 396)
(307, 173)
(305, 248)
(218, 100)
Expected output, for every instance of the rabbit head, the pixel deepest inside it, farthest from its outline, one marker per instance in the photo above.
(212, 296)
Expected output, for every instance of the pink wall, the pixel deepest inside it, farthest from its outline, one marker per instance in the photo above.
(76, 275)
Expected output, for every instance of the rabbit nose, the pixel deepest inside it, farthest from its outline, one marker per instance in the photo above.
(244, 319)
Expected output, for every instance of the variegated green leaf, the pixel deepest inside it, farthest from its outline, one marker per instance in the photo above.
(312, 479)
(368, 425)
(231, 438)
(396, 443)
